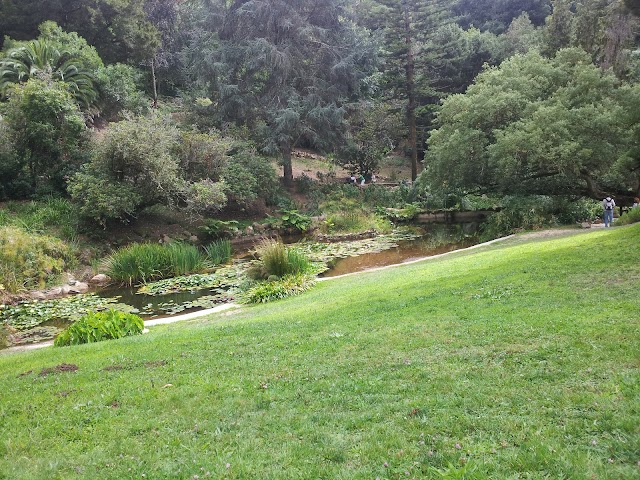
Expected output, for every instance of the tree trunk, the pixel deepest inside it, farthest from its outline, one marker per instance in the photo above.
(288, 167)
(411, 93)
(154, 83)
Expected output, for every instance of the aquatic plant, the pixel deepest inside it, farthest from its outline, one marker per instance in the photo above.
(29, 314)
(145, 262)
(286, 286)
(218, 252)
(279, 260)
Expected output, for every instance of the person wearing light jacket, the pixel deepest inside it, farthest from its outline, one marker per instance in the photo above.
(608, 204)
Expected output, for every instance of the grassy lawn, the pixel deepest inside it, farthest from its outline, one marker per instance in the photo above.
(518, 360)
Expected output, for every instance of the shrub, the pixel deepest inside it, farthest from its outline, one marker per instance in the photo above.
(31, 260)
(96, 327)
(146, 262)
(218, 252)
(296, 220)
(121, 88)
(213, 228)
(632, 216)
(287, 286)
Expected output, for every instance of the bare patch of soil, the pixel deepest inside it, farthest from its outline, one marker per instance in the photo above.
(63, 367)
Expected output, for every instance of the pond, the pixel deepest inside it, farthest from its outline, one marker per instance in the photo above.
(34, 323)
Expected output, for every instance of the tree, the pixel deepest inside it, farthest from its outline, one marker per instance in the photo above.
(558, 27)
(496, 15)
(37, 59)
(285, 68)
(47, 132)
(374, 133)
(538, 126)
(117, 28)
(407, 25)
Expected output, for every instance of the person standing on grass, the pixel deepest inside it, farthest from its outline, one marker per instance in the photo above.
(608, 204)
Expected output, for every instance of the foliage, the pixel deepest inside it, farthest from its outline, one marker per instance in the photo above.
(632, 216)
(203, 155)
(205, 196)
(534, 119)
(294, 219)
(213, 228)
(134, 162)
(96, 327)
(225, 278)
(40, 59)
(278, 260)
(53, 215)
(287, 286)
(375, 131)
(534, 212)
(30, 260)
(121, 90)
(26, 315)
(146, 262)
(404, 214)
(118, 29)
(240, 185)
(284, 68)
(218, 252)
(46, 133)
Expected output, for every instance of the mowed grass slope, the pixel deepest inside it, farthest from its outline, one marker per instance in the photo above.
(518, 360)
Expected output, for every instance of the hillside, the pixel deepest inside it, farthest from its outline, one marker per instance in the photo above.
(517, 360)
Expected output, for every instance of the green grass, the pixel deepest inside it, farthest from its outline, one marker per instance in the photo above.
(53, 216)
(516, 360)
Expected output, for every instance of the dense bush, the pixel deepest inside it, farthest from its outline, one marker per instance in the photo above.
(43, 133)
(534, 212)
(632, 216)
(29, 260)
(146, 262)
(121, 89)
(214, 229)
(96, 327)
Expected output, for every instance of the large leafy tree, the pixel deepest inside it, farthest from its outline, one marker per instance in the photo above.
(537, 125)
(285, 68)
(119, 29)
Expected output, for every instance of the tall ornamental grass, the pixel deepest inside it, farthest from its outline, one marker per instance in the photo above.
(218, 252)
(279, 260)
(146, 262)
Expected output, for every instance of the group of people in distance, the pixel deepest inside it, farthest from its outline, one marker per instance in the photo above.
(608, 204)
(360, 181)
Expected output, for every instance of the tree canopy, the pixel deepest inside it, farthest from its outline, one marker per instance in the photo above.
(538, 125)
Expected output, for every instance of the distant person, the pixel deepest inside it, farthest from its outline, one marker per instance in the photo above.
(352, 179)
(636, 202)
(361, 180)
(373, 178)
(608, 204)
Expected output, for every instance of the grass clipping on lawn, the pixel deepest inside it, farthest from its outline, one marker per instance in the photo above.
(517, 360)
